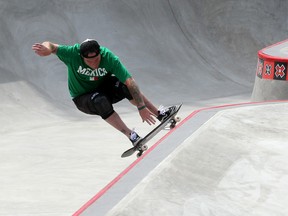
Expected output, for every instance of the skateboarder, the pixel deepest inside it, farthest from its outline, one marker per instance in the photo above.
(97, 79)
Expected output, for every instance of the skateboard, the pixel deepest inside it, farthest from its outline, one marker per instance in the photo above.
(169, 123)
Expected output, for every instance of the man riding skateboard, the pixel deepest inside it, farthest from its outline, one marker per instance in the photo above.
(97, 79)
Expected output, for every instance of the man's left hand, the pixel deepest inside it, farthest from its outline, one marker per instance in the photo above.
(147, 116)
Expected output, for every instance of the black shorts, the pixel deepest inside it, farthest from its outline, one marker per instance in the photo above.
(112, 89)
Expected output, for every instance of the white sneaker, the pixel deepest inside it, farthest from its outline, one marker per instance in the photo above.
(164, 113)
(134, 138)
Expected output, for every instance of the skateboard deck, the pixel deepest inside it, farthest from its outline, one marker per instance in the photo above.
(140, 146)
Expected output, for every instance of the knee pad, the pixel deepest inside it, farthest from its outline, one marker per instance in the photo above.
(102, 105)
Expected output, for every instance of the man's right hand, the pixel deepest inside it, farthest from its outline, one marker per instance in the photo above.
(44, 49)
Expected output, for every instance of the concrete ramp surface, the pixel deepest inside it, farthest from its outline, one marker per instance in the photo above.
(202, 53)
(235, 164)
(231, 164)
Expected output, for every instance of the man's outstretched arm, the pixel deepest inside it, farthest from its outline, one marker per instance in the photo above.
(45, 49)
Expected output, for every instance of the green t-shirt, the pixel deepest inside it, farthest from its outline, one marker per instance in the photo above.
(83, 79)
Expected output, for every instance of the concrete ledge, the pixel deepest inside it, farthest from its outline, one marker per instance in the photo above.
(271, 72)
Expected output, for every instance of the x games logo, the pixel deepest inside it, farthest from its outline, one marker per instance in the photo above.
(260, 68)
(268, 70)
(272, 70)
(280, 72)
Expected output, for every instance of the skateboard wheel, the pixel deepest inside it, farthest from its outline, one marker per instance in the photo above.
(177, 119)
(139, 154)
(144, 147)
(172, 126)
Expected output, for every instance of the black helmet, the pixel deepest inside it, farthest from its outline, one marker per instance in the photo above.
(89, 46)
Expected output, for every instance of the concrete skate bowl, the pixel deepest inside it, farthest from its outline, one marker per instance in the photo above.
(189, 50)
(201, 50)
